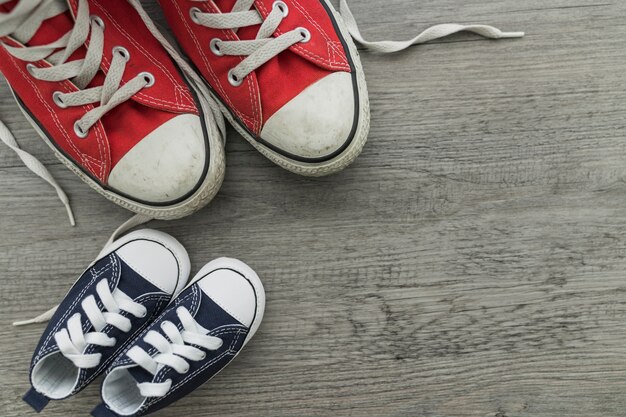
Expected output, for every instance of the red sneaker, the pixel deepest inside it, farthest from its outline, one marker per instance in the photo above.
(114, 105)
(286, 74)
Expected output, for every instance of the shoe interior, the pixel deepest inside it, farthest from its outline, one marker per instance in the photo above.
(120, 392)
(55, 376)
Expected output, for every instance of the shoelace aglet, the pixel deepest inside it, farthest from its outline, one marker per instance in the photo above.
(506, 35)
(69, 212)
(42, 318)
(68, 208)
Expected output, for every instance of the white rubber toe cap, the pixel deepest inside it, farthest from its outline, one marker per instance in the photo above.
(316, 123)
(164, 166)
(232, 292)
(156, 256)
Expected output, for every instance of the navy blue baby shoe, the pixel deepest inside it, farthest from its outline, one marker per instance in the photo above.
(201, 331)
(115, 299)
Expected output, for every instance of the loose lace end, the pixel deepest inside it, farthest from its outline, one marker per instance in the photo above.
(70, 214)
(37, 167)
(66, 202)
(430, 34)
(136, 220)
(513, 35)
(42, 318)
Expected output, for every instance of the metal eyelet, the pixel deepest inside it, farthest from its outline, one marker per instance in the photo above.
(30, 68)
(148, 77)
(306, 35)
(97, 20)
(186, 370)
(215, 48)
(233, 80)
(193, 13)
(280, 5)
(56, 97)
(143, 315)
(120, 50)
(203, 357)
(79, 131)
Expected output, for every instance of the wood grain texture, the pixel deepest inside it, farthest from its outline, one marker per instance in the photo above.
(472, 262)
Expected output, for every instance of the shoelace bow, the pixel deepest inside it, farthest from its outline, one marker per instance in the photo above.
(173, 351)
(22, 23)
(72, 340)
(265, 46)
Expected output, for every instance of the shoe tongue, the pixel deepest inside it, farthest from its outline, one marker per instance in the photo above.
(50, 30)
(140, 375)
(225, 5)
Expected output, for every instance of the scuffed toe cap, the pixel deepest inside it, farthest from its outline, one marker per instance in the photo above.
(166, 165)
(318, 122)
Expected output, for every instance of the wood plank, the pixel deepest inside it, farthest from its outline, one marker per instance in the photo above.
(470, 263)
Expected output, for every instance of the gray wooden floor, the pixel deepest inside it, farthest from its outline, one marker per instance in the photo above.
(471, 263)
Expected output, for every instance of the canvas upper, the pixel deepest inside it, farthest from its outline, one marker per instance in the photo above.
(306, 104)
(114, 300)
(151, 147)
(201, 332)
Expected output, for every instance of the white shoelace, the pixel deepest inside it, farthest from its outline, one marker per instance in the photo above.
(257, 51)
(22, 23)
(173, 351)
(430, 34)
(265, 46)
(136, 220)
(72, 341)
(215, 123)
(35, 166)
